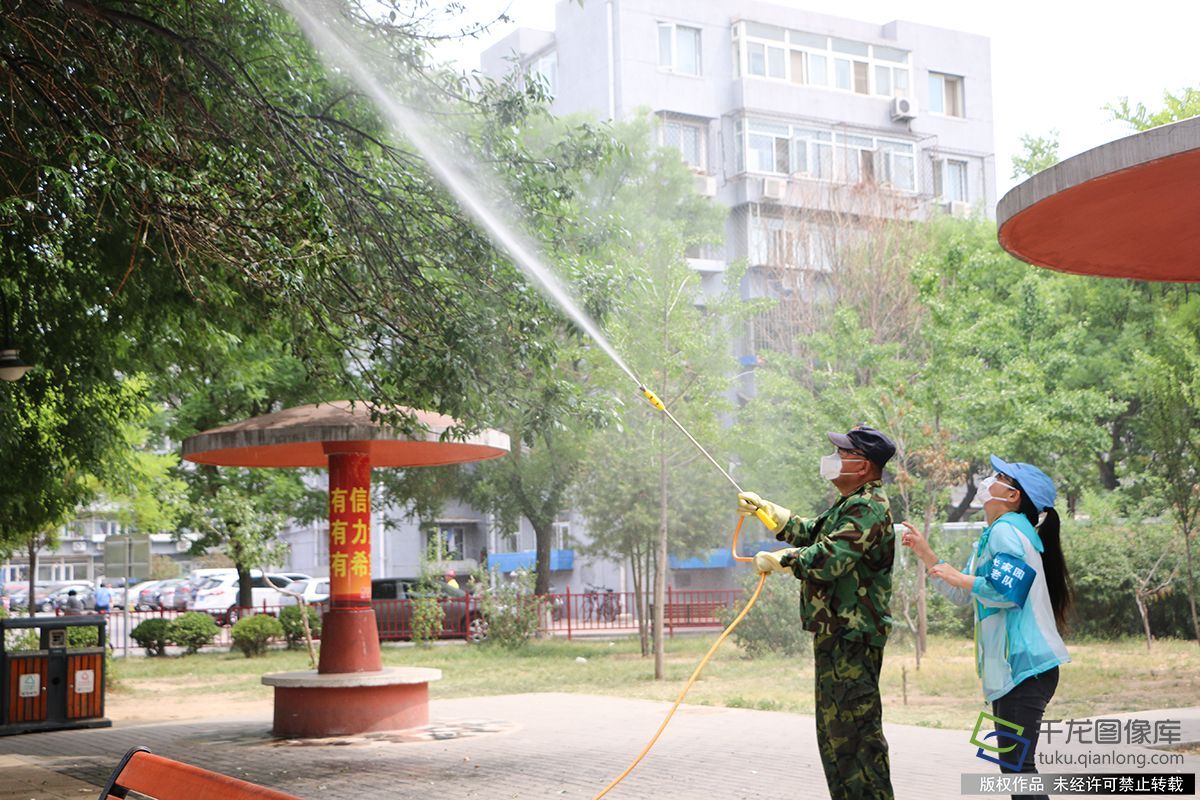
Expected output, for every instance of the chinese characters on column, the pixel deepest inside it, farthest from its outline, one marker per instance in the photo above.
(350, 527)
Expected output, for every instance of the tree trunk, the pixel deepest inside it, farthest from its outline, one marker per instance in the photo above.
(34, 541)
(660, 575)
(639, 599)
(543, 535)
(245, 598)
(922, 584)
(647, 606)
(1187, 548)
(1141, 607)
(956, 513)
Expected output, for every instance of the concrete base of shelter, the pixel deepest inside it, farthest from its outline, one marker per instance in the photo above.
(311, 705)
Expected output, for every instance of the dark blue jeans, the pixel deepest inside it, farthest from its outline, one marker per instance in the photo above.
(1024, 705)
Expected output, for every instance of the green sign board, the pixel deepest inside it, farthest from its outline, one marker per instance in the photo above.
(127, 556)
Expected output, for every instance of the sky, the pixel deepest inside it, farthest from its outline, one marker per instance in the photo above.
(1055, 64)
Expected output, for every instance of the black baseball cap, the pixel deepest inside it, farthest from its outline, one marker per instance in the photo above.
(877, 447)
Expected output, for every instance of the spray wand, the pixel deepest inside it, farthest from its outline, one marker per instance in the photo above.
(762, 515)
(762, 576)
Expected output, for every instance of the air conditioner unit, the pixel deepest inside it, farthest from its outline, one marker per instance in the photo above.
(774, 189)
(79, 547)
(903, 108)
(706, 185)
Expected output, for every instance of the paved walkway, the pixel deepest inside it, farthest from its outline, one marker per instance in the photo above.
(518, 746)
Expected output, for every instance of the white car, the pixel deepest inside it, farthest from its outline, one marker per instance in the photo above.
(313, 590)
(219, 594)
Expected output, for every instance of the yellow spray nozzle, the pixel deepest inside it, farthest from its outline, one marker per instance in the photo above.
(765, 518)
(653, 398)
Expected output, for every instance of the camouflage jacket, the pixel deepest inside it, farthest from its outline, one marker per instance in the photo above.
(845, 561)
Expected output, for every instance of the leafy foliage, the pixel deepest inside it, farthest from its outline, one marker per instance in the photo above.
(512, 611)
(252, 634)
(153, 634)
(293, 629)
(773, 625)
(193, 630)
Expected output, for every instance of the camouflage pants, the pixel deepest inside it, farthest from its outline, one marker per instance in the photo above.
(850, 719)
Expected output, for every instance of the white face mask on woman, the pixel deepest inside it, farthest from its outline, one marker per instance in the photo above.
(985, 488)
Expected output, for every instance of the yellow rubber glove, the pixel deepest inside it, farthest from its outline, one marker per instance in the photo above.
(749, 504)
(768, 560)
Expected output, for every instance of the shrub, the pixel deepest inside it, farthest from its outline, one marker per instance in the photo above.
(773, 625)
(512, 612)
(154, 635)
(194, 630)
(83, 637)
(428, 615)
(251, 634)
(293, 629)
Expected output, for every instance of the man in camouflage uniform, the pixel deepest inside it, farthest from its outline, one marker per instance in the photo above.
(844, 558)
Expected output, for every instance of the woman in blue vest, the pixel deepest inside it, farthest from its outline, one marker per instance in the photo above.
(1017, 582)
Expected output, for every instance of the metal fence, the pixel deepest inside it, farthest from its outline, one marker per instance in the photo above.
(582, 613)
(568, 614)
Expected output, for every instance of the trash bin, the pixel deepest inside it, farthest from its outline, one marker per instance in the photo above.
(55, 686)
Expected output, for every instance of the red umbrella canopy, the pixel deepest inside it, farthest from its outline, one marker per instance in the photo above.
(302, 436)
(1127, 209)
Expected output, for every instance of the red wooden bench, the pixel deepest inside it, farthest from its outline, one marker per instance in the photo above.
(163, 779)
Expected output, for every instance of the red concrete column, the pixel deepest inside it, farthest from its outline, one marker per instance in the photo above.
(349, 637)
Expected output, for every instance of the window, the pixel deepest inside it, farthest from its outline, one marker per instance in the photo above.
(768, 51)
(679, 48)
(841, 74)
(445, 543)
(782, 149)
(560, 538)
(545, 69)
(812, 153)
(790, 243)
(946, 94)
(897, 166)
(862, 80)
(950, 179)
(687, 138)
(767, 147)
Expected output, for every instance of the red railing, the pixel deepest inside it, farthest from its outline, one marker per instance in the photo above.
(567, 614)
(572, 613)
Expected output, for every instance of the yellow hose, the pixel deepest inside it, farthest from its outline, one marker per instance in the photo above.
(696, 674)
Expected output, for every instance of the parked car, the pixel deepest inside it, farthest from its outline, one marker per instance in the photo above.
(219, 596)
(120, 591)
(393, 599)
(313, 590)
(57, 599)
(164, 595)
(20, 598)
(145, 594)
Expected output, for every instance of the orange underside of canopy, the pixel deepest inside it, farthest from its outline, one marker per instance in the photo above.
(383, 454)
(1142, 222)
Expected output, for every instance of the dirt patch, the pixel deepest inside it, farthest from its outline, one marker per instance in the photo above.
(163, 703)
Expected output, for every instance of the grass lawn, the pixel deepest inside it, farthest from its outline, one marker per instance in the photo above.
(1103, 677)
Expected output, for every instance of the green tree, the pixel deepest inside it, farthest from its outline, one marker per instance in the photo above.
(1037, 153)
(1179, 106)
(673, 331)
(1170, 421)
(176, 175)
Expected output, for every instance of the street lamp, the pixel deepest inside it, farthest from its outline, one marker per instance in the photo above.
(12, 368)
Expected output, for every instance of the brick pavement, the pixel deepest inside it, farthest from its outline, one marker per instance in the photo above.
(523, 746)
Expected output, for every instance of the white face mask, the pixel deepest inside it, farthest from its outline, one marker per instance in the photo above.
(985, 489)
(831, 466)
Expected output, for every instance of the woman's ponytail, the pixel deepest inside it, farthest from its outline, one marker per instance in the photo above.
(1058, 581)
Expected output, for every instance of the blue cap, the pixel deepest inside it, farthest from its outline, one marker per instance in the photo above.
(1036, 484)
